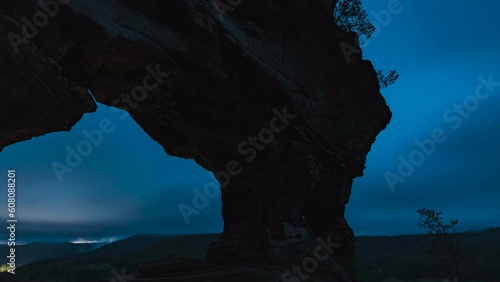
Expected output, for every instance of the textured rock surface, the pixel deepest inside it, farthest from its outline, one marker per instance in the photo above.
(35, 98)
(228, 76)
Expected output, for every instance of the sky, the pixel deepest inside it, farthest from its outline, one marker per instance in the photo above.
(440, 49)
(128, 185)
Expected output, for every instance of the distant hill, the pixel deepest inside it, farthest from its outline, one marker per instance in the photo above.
(411, 245)
(125, 246)
(38, 251)
(32, 252)
(92, 267)
(379, 258)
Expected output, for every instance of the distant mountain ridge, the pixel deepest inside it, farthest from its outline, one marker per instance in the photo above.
(128, 245)
(378, 258)
(37, 251)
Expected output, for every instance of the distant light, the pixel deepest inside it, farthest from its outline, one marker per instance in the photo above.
(85, 241)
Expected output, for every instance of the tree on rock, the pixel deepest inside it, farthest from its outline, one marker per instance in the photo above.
(351, 17)
(386, 80)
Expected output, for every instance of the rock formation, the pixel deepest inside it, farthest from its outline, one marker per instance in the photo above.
(262, 93)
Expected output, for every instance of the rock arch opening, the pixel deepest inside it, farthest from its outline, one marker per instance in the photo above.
(106, 178)
(228, 91)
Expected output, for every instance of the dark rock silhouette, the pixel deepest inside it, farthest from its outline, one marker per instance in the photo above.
(231, 76)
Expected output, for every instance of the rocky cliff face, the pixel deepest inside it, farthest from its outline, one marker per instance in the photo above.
(259, 93)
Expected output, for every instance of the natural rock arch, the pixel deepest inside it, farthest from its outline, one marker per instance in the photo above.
(229, 76)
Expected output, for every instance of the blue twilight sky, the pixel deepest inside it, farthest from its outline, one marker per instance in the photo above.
(128, 185)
